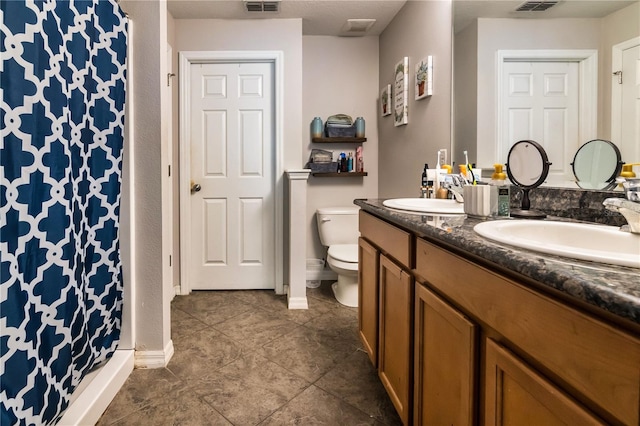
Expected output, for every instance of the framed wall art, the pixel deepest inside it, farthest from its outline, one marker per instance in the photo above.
(385, 100)
(423, 85)
(401, 92)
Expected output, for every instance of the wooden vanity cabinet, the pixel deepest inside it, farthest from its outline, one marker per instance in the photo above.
(385, 310)
(444, 362)
(541, 356)
(456, 341)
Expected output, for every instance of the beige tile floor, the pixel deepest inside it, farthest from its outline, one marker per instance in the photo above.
(243, 358)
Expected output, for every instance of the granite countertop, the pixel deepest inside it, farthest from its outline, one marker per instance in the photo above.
(615, 289)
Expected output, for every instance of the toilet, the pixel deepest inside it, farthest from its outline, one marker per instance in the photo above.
(338, 229)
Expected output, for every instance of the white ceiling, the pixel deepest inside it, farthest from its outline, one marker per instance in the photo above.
(319, 17)
(465, 11)
(323, 17)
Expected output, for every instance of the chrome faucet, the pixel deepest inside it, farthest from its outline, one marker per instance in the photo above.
(454, 183)
(629, 207)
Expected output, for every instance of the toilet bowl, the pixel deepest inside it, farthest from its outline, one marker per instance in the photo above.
(338, 229)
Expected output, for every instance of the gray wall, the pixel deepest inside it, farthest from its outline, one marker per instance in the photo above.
(340, 75)
(148, 38)
(421, 28)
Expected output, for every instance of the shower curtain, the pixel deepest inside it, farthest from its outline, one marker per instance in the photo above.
(62, 78)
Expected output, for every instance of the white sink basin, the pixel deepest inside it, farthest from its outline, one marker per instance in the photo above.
(426, 205)
(597, 243)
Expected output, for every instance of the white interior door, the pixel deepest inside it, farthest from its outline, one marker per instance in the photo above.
(232, 159)
(167, 184)
(625, 105)
(540, 102)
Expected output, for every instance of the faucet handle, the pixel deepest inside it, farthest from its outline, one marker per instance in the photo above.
(632, 189)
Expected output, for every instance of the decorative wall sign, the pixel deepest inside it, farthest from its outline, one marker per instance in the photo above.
(401, 92)
(385, 100)
(424, 78)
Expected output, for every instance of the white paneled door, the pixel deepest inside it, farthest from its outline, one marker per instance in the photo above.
(540, 102)
(232, 172)
(625, 132)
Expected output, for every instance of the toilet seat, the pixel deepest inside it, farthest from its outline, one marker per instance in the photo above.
(344, 252)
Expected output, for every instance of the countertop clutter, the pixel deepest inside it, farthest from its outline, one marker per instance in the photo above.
(612, 289)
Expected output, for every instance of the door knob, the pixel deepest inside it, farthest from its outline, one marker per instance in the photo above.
(195, 187)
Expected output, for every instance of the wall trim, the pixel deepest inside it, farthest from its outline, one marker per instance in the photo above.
(97, 389)
(154, 359)
(187, 58)
(588, 92)
(297, 302)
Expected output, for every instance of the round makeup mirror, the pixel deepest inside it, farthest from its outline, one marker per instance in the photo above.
(596, 165)
(527, 167)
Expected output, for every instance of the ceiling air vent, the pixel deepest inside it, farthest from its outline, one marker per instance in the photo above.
(262, 6)
(356, 27)
(536, 5)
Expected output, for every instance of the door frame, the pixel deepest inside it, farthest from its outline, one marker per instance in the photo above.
(587, 60)
(188, 58)
(616, 89)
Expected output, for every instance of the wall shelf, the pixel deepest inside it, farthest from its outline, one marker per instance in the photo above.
(342, 175)
(338, 140)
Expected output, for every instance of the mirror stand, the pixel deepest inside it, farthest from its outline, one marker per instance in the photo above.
(527, 167)
(524, 211)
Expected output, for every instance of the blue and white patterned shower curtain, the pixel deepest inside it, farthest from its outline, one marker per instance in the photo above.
(63, 89)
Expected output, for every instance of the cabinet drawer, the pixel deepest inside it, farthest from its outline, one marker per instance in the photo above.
(391, 240)
(516, 394)
(598, 364)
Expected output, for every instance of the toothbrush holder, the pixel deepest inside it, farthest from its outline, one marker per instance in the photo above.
(480, 200)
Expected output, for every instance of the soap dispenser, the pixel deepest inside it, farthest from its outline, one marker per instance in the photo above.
(499, 180)
(627, 170)
(424, 183)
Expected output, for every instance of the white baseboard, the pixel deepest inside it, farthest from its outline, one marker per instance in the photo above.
(297, 303)
(154, 359)
(325, 274)
(91, 399)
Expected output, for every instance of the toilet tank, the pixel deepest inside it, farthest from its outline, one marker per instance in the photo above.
(338, 225)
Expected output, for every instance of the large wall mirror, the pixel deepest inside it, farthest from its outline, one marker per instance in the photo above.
(545, 76)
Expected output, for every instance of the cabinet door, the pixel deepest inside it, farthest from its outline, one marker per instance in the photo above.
(517, 395)
(445, 359)
(368, 298)
(395, 348)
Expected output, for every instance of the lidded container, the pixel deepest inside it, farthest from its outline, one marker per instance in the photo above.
(338, 225)
(359, 127)
(316, 127)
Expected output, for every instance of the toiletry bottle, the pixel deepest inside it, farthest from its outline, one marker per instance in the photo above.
(423, 181)
(359, 160)
(343, 162)
(499, 179)
(442, 192)
(350, 163)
